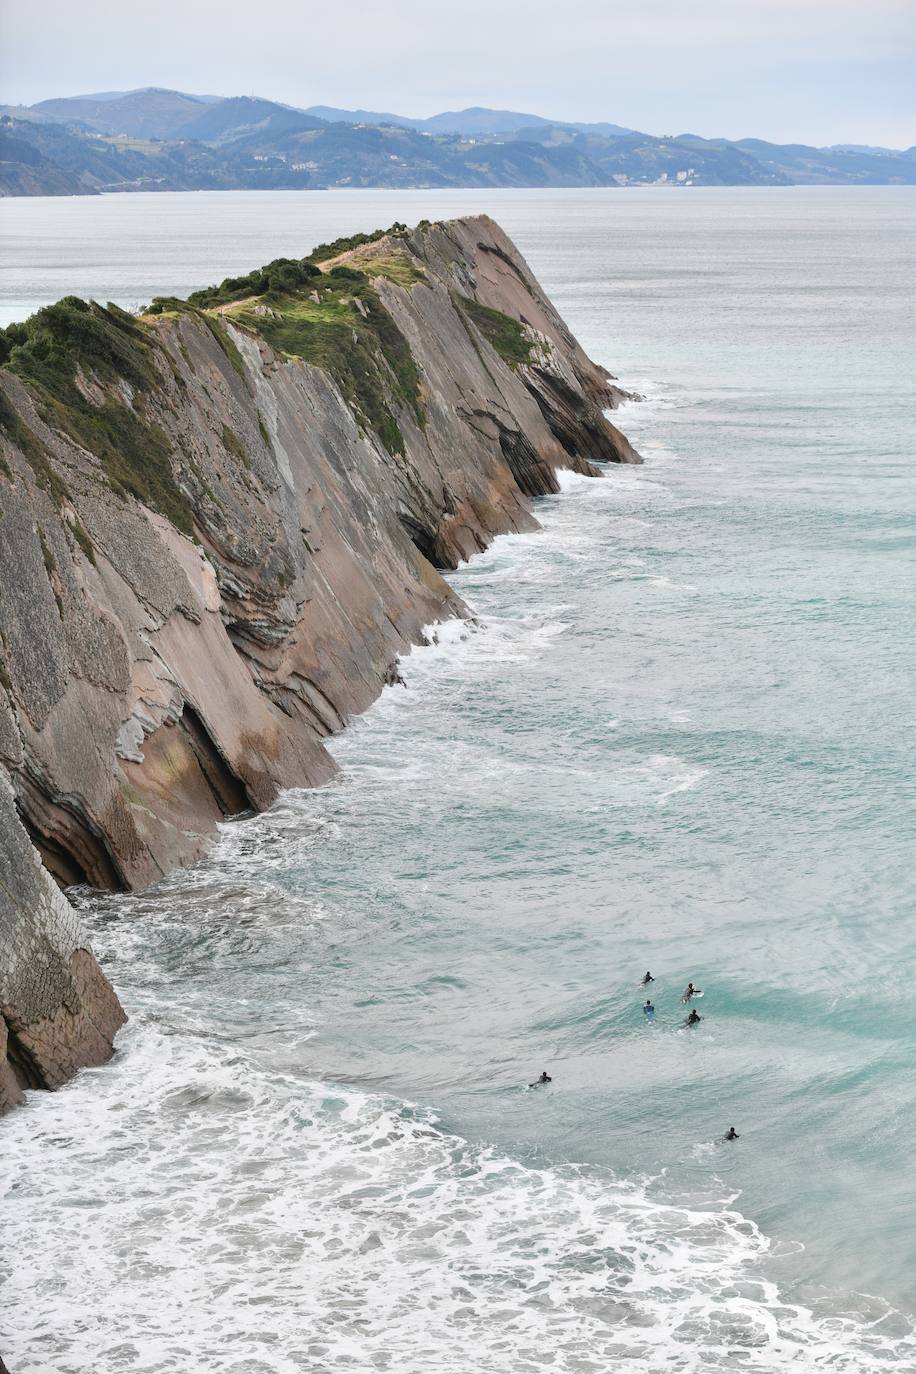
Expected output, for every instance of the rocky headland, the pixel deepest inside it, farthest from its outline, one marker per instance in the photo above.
(221, 523)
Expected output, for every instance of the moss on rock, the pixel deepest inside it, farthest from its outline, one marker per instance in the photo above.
(505, 334)
(34, 452)
(234, 445)
(82, 538)
(226, 344)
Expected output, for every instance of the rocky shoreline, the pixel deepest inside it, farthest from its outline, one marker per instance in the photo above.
(220, 526)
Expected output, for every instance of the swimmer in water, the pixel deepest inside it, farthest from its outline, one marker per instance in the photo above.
(648, 1008)
(648, 979)
(694, 1018)
(690, 991)
(544, 1078)
(732, 1134)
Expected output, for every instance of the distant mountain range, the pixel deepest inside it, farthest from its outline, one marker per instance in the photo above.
(161, 140)
(475, 121)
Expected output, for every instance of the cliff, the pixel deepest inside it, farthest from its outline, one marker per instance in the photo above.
(57, 1010)
(220, 525)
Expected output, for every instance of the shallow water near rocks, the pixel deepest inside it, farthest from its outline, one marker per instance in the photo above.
(678, 736)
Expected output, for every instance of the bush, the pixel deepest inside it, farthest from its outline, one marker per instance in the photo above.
(74, 332)
(343, 273)
(277, 277)
(334, 250)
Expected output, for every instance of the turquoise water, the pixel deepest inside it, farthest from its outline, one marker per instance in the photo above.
(677, 736)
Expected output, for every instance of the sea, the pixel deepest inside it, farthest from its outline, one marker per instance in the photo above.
(676, 735)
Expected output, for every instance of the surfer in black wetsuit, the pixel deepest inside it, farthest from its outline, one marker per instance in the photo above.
(648, 979)
(694, 1018)
(732, 1134)
(544, 1078)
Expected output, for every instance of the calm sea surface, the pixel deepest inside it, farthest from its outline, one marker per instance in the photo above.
(678, 737)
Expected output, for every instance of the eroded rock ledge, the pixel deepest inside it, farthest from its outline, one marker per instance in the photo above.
(220, 525)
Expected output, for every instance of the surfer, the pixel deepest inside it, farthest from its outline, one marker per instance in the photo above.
(648, 979)
(544, 1078)
(732, 1134)
(691, 991)
(649, 1009)
(694, 1018)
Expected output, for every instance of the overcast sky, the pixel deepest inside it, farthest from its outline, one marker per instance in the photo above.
(815, 71)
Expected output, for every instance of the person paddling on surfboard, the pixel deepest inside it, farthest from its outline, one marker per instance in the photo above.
(544, 1078)
(731, 1134)
(649, 1009)
(648, 979)
(694, 1018)
(691, 991)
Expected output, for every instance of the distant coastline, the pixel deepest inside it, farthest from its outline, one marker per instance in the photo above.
(160, 140)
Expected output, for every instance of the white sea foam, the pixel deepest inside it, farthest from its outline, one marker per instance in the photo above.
(567, 480)
(668, 583)
(224, 1219)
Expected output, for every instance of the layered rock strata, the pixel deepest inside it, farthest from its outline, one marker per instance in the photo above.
(220, 525)
(58, 1012)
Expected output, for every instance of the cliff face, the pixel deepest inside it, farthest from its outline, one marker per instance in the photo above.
(220, 525)
(57, 1010)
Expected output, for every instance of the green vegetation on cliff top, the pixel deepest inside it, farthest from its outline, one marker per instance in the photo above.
(59, 353)
(363, 350)
(401, 270)
(284, 275)
(332, 318)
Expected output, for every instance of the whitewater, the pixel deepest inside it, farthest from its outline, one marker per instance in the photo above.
(674, 733)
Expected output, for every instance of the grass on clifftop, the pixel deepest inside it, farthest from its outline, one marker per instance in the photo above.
(324, 251)
(48, 352)
(400, 270)
(336, 321)
(331, 318)
(351, 341)
(284, 275)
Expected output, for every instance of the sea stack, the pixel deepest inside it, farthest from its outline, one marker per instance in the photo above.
(221, 523)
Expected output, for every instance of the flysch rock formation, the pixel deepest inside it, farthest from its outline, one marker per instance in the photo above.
(221, 523)
(57, 1010)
